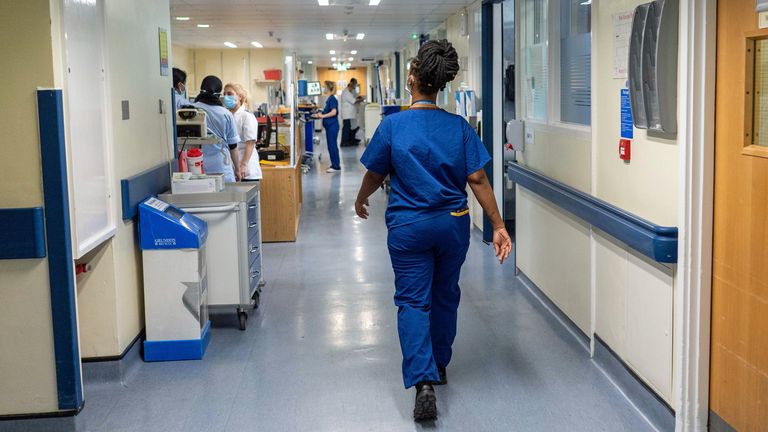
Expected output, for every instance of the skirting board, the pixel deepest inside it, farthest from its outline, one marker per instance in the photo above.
(645, 400)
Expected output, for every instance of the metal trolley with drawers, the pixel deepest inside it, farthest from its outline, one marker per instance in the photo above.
(235, 276)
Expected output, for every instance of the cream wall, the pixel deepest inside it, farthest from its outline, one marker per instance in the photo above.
(110, 298)
(27, 365)
(578, 266)
(243, 66)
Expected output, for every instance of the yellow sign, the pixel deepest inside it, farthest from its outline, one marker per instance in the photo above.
(163, 36)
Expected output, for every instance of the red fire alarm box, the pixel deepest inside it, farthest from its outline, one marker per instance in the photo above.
(625, 149)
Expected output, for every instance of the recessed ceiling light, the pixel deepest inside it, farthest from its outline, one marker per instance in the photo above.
(360, 36)
(230, 44)
(414, 36)
(351, 59)
(353, 52)
(257, 45)
(374, 3)
(333, 58)
(310, 62)
(203, 25)
(322, 2)
(182, 18)
(332, 52)
(329, 36)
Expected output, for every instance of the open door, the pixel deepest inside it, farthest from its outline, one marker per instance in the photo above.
(739, 362)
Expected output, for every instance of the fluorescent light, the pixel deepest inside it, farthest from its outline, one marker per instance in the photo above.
(587, 2)
(182, 18)
(203, 25)
(310, 62)
(257, 45)
(351, 59)
(322, 2)
(329, 36)
(288, 59)
(333, 52)
(230, 44)
(360, 36)
(333, 58)
(374, 3)
(353, 52)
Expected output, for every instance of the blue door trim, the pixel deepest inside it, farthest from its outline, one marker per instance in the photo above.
(397, 75)
(60, 262)
(487, 90)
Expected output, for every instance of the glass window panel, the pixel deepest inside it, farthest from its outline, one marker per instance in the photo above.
(575, 62)
(536, 61)
(760, 111)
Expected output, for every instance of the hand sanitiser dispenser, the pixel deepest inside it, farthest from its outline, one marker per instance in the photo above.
(175, 282)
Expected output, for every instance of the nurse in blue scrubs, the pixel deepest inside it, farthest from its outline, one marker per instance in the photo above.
(430, 156)
(221, 157)
(330, 116)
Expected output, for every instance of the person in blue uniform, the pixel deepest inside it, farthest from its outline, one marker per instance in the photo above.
(330, 116)
(430, 156)
(221, 157)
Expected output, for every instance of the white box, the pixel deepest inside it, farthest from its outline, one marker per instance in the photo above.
(186, 183)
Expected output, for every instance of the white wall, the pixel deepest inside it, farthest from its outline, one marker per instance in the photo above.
(27, 365)
(110, 298)
(632, 295)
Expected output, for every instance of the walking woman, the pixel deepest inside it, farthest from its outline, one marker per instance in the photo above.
(222, 157)
(430, 156)
(330, 116)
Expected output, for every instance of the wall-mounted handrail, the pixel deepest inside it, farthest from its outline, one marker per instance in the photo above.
(656, 242)
(22, 233)
(136, 189)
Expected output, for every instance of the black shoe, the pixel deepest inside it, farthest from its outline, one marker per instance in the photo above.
(443, 376)
(425, 407)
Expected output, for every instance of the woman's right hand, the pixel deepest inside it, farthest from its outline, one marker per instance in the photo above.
(361, 210)
(502, 243)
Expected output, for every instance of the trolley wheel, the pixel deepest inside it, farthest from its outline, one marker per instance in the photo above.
(243, 317)
(255, 299)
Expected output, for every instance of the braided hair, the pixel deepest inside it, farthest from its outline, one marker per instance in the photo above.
(436, 64)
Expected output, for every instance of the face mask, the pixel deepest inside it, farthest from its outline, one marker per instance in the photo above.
(230, 101)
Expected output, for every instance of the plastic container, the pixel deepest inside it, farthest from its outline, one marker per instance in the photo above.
(273, 74)
(195, 161)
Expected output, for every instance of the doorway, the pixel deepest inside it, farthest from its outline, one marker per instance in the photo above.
(509, 108)
(739, 341)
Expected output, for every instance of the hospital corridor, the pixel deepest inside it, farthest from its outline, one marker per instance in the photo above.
(384, 215)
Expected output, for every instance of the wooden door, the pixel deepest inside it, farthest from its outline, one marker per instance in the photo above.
(739, 349)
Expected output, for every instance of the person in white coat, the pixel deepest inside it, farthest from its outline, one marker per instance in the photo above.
(349, 102)
(236, 98)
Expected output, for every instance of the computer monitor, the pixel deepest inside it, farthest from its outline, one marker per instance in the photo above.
(314, 88)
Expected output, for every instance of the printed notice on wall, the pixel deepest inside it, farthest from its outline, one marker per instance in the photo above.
(163, 36)
(622, 30)
(626, 116)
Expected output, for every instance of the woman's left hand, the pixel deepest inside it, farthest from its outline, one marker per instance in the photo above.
(361, 210)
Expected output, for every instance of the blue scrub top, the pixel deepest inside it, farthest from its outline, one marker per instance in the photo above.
(428, 155)
(331, 104)
(222, 124)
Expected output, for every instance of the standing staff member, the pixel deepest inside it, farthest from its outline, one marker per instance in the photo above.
(330, 118)
(216, 158)
(235, 99)
(180, 88)
(430, 156)
(349, 101)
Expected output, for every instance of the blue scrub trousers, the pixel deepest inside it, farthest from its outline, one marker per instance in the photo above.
(331, 137)
(427, 256)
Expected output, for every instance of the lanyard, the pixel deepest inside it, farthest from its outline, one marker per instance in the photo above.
(425, 104)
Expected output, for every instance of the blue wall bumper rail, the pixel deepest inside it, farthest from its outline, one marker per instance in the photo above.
(656, 242)
(22, 233)
(136, 189)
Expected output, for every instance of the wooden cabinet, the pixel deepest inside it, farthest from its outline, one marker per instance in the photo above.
(280, 203)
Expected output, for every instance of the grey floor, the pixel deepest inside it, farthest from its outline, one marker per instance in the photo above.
(321, 353)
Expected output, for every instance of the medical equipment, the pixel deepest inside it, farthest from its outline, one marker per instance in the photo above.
(191, 123)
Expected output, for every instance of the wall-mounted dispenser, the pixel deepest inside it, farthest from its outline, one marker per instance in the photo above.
(653, 66)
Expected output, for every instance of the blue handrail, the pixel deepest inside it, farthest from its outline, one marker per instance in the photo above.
(656, 242)
(137, 188)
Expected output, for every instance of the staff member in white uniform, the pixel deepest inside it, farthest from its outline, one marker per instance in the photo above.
(349, 101)
(236, 98)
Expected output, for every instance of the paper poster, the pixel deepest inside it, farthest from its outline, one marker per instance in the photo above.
(626, 115)
(622, 30)
(163, 36)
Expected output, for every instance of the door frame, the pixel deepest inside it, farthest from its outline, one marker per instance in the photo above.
(696, 108)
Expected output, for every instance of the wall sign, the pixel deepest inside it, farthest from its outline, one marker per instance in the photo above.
(163, 37)
(626, 115)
